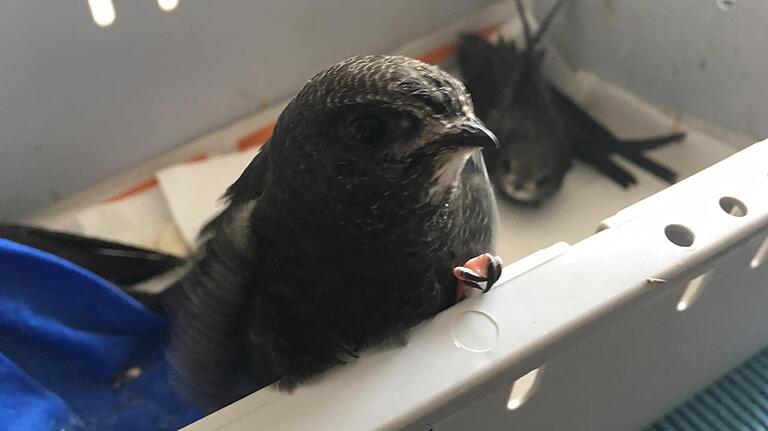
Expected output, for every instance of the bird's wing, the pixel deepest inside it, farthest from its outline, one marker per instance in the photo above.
(217, 357)
(251, 182)
(492, 72)
(578, 122)
(487, 69)
(592, 138)
(246, 188)
(121, 264)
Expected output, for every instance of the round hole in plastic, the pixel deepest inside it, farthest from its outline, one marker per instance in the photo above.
(726, 4)
(476, 331)
(523, 388)
(679, 235)
(733, 206)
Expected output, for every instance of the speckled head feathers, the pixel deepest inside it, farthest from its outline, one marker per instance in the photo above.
(397, 81)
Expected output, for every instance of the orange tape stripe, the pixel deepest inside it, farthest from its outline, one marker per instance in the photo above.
(261, 136)
(148, 184)
(138, 188)
(489, 31)
(256, 138)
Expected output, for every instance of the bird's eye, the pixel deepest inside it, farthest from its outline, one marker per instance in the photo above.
(367, 130)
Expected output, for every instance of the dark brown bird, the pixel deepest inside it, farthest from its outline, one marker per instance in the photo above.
(348, 228)
(345, 230)
(539, 128)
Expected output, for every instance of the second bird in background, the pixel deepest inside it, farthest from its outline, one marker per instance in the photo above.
(540, 129)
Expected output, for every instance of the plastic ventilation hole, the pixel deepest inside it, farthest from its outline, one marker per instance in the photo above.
(679, 235)
(692, 292)
(760, 255)
(167, 5)
(733, 206)
(726, 4)
(523, 388)
(102, 11)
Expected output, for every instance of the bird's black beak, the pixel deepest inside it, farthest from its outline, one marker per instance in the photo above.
(470, 133)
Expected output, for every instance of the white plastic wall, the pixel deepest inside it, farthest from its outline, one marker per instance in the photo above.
(690, 55)
(601, 316)
(80, 103)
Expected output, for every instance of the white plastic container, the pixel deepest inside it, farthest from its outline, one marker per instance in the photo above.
(607, 333)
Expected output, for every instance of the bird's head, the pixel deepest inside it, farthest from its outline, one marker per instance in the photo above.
(381, 123)
(534, 155)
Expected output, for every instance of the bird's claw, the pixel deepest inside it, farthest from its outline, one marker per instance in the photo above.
(480, 272)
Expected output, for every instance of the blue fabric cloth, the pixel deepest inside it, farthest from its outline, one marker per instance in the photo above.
(66, 338)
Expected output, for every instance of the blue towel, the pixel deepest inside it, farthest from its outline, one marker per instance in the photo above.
(78, 353)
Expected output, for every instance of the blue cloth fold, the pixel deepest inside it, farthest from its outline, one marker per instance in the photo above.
(76, 352)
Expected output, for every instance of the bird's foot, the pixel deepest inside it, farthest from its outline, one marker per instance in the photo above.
(480, 273)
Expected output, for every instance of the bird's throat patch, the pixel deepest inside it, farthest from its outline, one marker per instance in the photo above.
(447, 172)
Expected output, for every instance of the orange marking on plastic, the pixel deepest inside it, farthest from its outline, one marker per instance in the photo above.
(256, 138)
(148, 184)
(197, 158)
(444, 52)
(138, 188)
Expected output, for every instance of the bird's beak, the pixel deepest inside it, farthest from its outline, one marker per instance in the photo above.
(470, 133)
